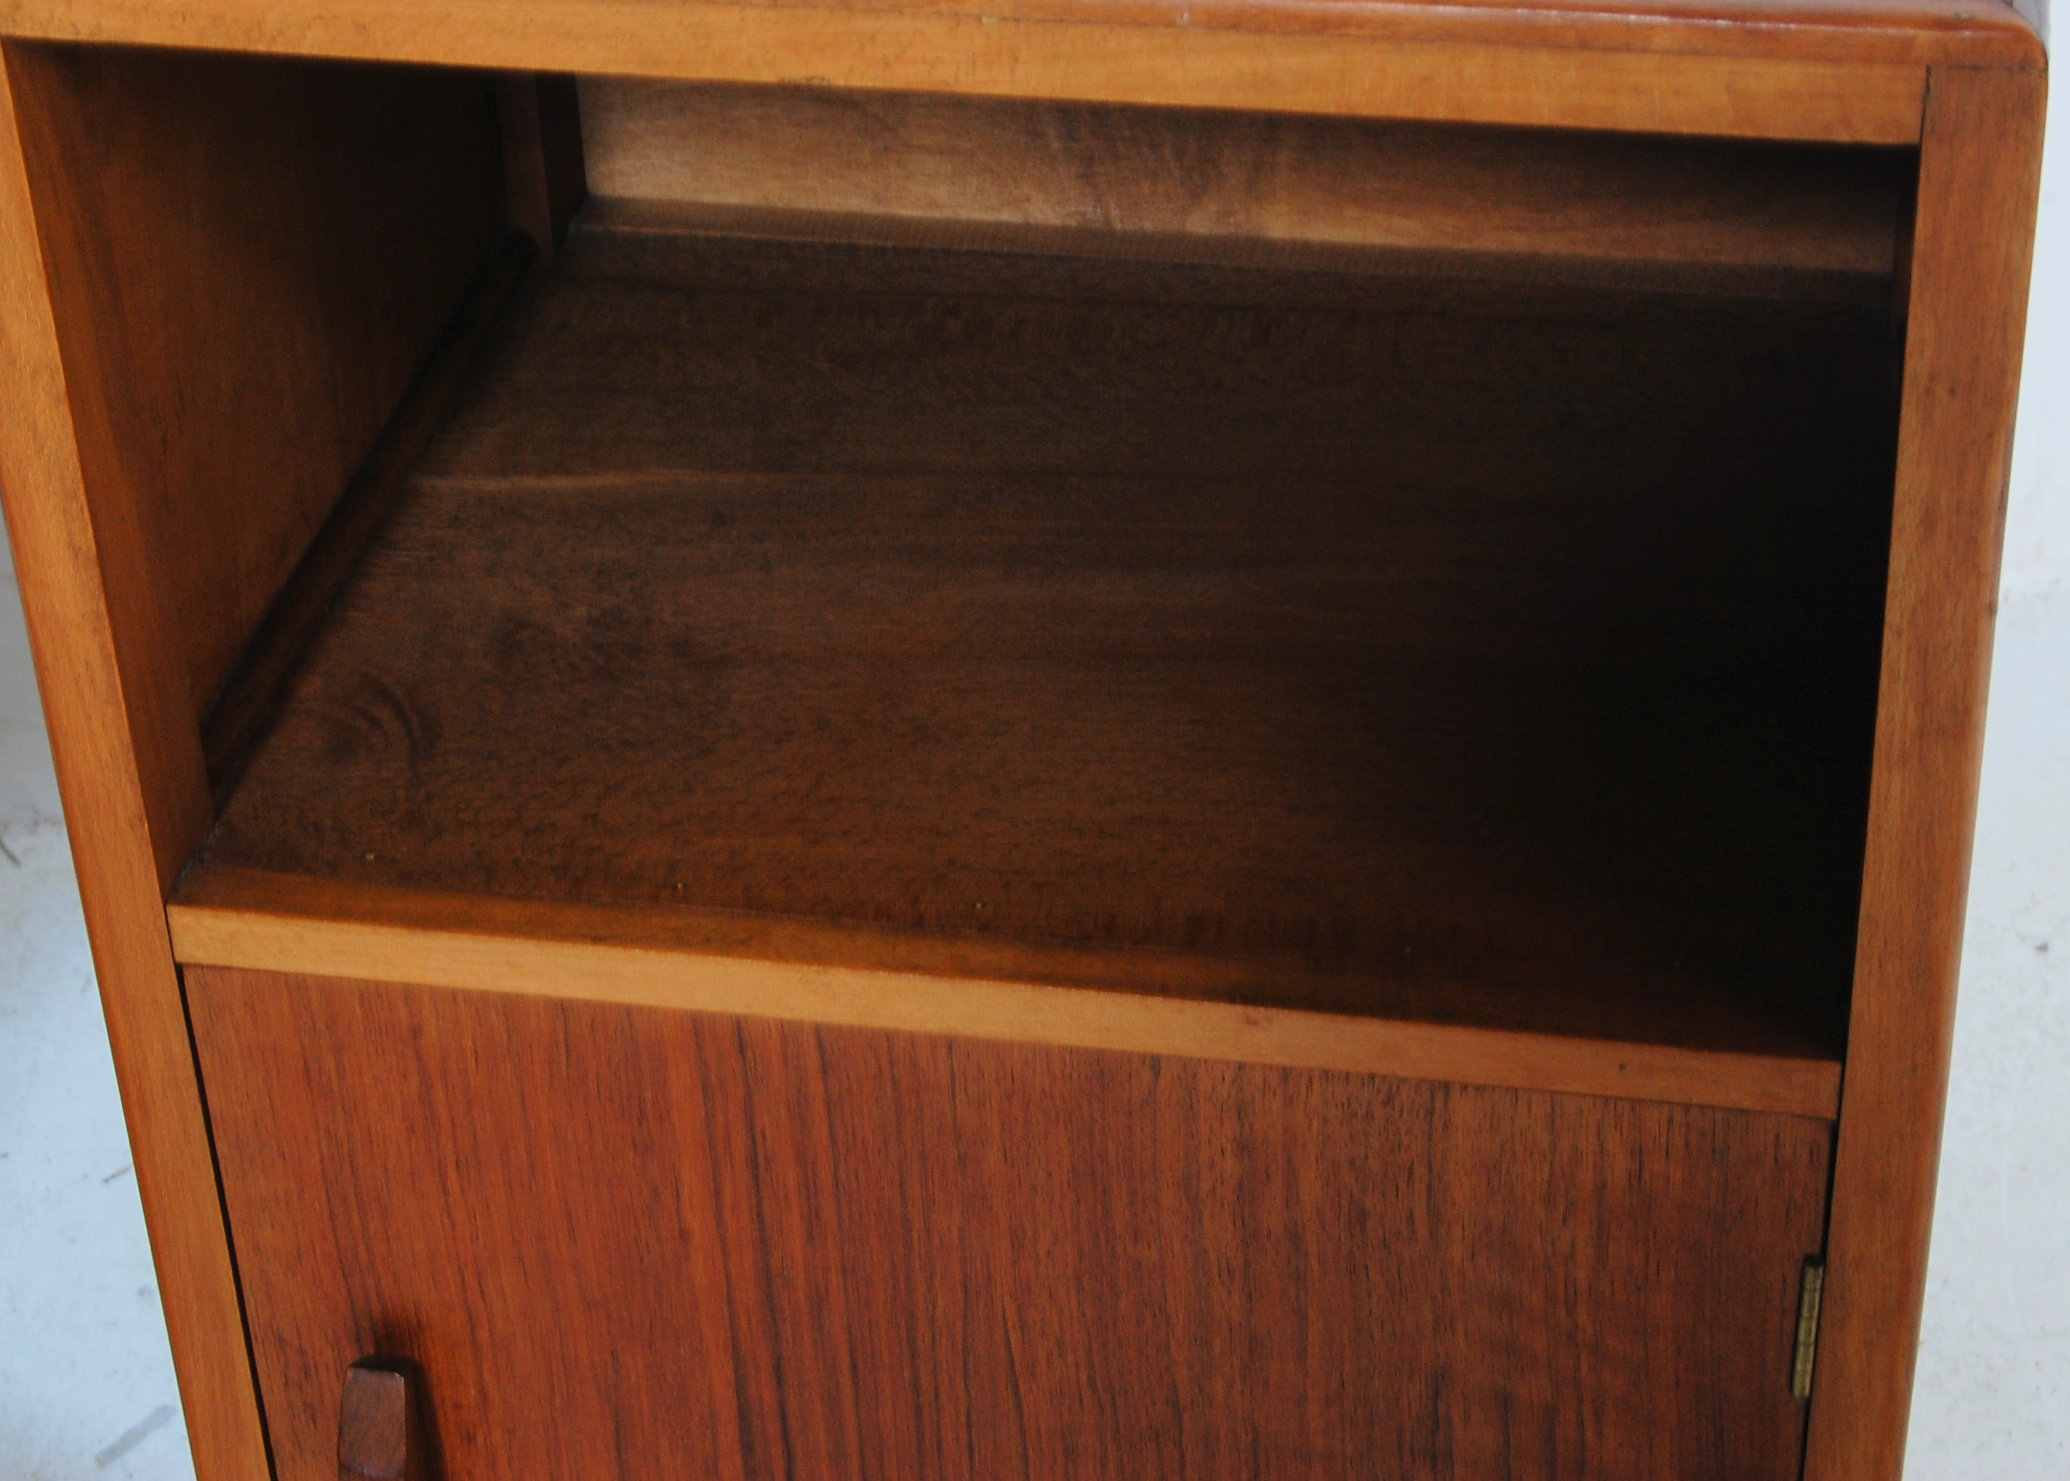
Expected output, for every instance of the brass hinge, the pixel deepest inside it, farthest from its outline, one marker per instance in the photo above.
(1809, 1298)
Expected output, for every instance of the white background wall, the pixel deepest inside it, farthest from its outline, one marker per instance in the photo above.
(2037, 544)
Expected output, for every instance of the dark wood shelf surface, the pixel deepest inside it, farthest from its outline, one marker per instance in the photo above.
(1469, 654)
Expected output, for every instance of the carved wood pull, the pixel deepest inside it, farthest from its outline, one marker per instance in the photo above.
(381, 1428)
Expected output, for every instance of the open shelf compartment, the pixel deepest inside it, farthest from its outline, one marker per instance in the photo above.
(1392, 632)
(1297, 639)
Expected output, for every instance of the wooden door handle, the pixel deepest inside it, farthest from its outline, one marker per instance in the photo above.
(382, 1429)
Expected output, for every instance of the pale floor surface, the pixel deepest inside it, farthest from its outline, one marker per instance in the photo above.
(86, 1388)
(1994, 1364)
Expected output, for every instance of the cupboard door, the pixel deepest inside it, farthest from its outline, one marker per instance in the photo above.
(637, 1242)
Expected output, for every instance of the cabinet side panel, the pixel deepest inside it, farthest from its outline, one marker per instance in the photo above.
(631, 1241)
(249, 259)
(215, 278)
(130, 769)
(1979, 174)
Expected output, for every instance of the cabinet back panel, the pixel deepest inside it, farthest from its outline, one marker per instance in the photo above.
(633, 1242)
(1101, 179)
(249, 259)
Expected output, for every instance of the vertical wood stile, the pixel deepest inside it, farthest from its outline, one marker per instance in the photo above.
(1979, 174)
(129, 769)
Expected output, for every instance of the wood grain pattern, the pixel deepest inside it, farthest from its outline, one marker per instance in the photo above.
(1845, 75)
(129, 769)
(635, 33)
(1689, 213)
(250, 260)
(1507, 667)
(250, 696)
(1977, 195)
(829, 1252)
(666, 956)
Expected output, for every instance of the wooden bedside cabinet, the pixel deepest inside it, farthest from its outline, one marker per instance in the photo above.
(1084, 740)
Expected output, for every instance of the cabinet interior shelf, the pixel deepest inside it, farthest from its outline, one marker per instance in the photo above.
(1407, 648)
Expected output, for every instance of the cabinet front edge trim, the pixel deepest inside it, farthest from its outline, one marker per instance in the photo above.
(230, 935)
(1846, 98)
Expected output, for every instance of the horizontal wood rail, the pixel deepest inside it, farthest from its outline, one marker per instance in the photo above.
(714, 962)
(1667, 74)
